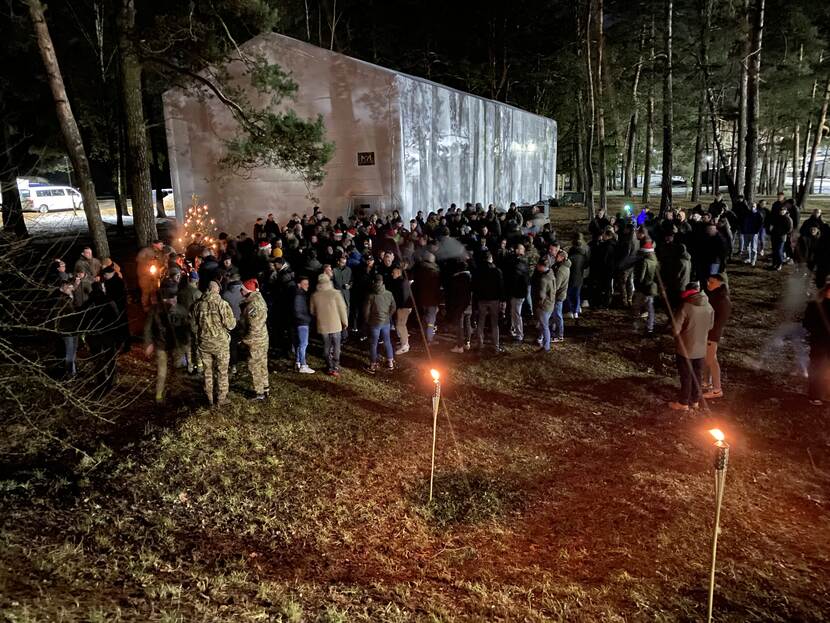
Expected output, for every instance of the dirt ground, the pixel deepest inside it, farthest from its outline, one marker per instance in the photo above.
(565, 489)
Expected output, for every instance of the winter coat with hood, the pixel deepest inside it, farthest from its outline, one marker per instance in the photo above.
(692, 323)
(401, 291)
(426, 283)
(645, 272)
(329, 307)
(562, 275)
(488, 283)
(379, 307)
(517, 277)
(233, 295)
(460, 294)
(543, 290)
(579, 255)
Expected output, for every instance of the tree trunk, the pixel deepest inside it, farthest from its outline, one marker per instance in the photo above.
(13, 221)
(668, 115)
(69, 129)
(741, 159)
(155, 174)
(796, 138)
(763, 177)
(601, 156)
(138, 162)
(589, 140)
(631, 134)
(782, 171)
(811, 170)
(701, 129)
(649, 148)
(753, 82)
(580, 144)
(807, 135)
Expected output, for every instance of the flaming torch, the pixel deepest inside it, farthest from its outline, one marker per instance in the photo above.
(721, 460)
(436, 399)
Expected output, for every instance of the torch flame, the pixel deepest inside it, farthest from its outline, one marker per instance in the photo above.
(717, 434)
(435, 374)
(153, 269)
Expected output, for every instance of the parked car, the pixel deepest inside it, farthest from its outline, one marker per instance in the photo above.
(45, 199)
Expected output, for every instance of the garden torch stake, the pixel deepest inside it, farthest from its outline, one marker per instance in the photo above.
(436, 398)
(721, 462)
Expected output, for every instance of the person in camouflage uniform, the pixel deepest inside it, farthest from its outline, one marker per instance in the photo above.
(254, 321)
(211, 321)
(167, 333)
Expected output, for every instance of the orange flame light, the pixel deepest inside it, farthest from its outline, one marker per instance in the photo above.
(717, 434)
(435, 375)
(153, 269)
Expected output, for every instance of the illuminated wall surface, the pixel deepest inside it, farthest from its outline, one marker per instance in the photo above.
(401, 143)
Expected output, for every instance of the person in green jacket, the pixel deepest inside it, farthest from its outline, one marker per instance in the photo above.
(254, 321)
(212, 320)
(645, 285)
(378, 311)
(543, 295)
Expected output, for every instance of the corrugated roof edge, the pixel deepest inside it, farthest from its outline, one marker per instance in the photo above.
(274, 35)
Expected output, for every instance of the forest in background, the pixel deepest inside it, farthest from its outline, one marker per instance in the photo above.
(677, 87)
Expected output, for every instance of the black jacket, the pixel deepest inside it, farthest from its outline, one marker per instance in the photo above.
(517, 278)
(488, 283)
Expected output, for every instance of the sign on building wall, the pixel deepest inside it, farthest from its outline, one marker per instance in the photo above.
(365, 158)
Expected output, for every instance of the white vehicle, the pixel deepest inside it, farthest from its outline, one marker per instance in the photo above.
(45, 199)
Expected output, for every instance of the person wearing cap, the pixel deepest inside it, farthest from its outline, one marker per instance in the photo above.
(692, 323)
(212, 321)
(645, 284)
(167, 334)
(543, 293)
(329, 309)
(254, 334)
(718, 292)
(488, 288)
(561, 275)
(817, 324)
(233, 295)
(88, 264)
(378, 311)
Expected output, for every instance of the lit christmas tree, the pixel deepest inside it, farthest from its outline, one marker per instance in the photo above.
(198, 227)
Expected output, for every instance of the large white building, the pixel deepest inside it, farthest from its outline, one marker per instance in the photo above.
(401, 143)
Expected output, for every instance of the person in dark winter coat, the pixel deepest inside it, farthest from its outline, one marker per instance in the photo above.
(401, 291)
(692, 323)
(625, 255)
(543, 293)
(302, 322)
(517, 286)
(779, 227)
(233, 295)
(103, 335)
(117, 292)
(378, 312)
(167, 334)
(460, 305)
(645, 283)
(751, 227)
(718, 292)
(579, 255)
(817, 323)
(488, 288)
(602, 269)
(426, 291)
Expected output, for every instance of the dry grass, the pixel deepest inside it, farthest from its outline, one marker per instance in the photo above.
(564, 491)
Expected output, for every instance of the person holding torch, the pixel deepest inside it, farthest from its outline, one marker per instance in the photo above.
(148, 261)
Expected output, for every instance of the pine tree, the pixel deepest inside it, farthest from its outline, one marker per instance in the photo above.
(199, 227)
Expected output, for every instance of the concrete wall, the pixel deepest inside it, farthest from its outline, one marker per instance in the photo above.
(432, 145)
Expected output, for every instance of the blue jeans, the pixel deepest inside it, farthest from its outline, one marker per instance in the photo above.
(543, 323)
(491, 309)
(516, 324)
(575, 300)
(749, 242)
(558, 320)
(70, 348)
(778, 250)
(645, 304)
(331, 349)
(302, 344)
(382, 331)
(430, 314)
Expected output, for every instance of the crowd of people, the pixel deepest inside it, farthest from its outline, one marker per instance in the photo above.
(477, 273)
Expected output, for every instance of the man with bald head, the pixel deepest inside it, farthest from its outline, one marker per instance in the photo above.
(212, 321)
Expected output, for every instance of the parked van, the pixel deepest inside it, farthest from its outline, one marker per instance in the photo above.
(45, 199)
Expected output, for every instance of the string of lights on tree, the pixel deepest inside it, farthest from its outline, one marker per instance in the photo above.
(198, 226)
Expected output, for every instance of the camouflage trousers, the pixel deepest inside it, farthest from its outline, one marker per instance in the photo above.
(163, 360)
(258, 365)
(221, 359)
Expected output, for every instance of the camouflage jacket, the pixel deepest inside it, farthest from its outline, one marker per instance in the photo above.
(254, 320)
(211, 319)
